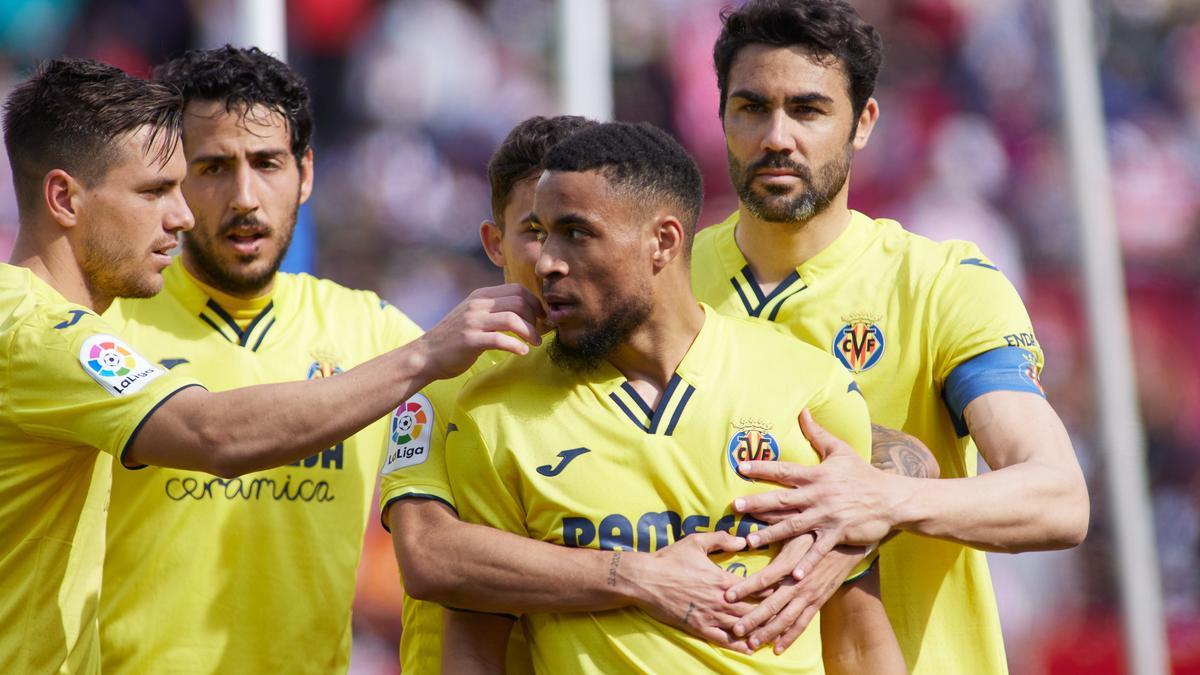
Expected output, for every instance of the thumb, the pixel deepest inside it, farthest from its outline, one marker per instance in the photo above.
(823, 442)
(713, 542)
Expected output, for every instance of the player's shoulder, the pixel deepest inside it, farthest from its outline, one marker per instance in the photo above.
(714, 233)
(923, 261)
(513, 383)
(31, 311)
(340, 305)
(767, 347)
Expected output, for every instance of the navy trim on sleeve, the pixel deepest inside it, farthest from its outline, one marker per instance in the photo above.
(410, 495)
(138, 428)
(1001, 369)
(860, 575)
(514, 617)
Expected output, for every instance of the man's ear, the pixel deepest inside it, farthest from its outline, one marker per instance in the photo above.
(490, 235)
(61, 194)
(669, 241)
(866, 123)
(306, 175)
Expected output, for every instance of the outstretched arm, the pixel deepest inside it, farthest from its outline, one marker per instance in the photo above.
(1035, 497)
(235, 432)
(445, 560)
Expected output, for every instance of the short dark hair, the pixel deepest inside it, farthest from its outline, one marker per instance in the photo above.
(69, 114)
(826, 28)
(520, 155)
(640, 158)
(243, 77)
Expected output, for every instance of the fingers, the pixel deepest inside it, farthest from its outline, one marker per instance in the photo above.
(820, 548)
(772, 517)
(821, 440)
(794, 526)
(750, 625)
(723, 639)
(784, 473)
(796, 629)
(714, 542)
(791, 499)
(780, 568)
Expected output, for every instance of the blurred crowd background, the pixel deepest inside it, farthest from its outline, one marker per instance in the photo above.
(412, 96)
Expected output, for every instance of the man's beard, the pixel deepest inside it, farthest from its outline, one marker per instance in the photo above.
(598, 340)
(818, 193)
(233, 280)
(111, 271)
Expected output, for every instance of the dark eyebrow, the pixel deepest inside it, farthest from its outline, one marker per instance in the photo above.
(158, 184)
(569, 219)
(260, 154)
(797, 99)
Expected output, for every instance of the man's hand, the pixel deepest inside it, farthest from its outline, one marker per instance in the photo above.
(681, 587)
(783, 615)
(488, 318)
(842, 500)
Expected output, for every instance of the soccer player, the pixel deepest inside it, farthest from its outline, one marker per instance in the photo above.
(272, 556)
(97, 173)
(418, 503)
(934, 334)
(623, 434)
(443, 559)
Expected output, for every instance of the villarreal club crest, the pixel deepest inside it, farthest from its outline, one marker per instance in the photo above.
(859, 344)
(751, 441)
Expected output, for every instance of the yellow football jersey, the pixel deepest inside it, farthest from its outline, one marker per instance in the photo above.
(415, 468)
(900, 312)
(253, 574)
(70, 391)
(582, 460)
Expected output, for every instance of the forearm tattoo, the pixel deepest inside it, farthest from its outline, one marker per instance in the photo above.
(898, 453)
(612, 567)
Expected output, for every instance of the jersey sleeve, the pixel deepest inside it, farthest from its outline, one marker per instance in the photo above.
(398, 329)
(80, 383)
(982, 339)
(841, 409)
(482, 494)
(415, 464)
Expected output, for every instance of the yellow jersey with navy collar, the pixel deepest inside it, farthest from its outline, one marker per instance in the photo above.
(415, 468)
(923, 327)
(252, 574)
(72, 396)
(583, 460)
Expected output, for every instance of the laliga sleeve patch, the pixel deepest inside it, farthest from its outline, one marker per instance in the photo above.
(116, 367)
(409, 431)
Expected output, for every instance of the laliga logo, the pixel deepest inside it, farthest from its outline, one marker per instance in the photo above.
(859, 344)
(109, 359)
(408, 422)
(751, 442)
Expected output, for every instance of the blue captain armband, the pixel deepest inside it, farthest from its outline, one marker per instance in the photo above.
(1002, 369)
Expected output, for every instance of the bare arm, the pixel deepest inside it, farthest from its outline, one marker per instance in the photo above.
(855, 634)
(678, 585)
(474, 644)
(235, 432)
(1033, 499)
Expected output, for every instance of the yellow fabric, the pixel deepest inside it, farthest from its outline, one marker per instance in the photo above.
(933, 306)
(415, 468)
(242, 310)
(59, 427)
(576, 460)
(254, 574)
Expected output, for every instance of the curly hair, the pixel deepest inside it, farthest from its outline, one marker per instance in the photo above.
(69, 115)
(520, 155)
(243, 78)
(827, 28)
(641, 159)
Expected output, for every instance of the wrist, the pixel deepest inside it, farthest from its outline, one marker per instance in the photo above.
(904, 512)
(625, 573)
